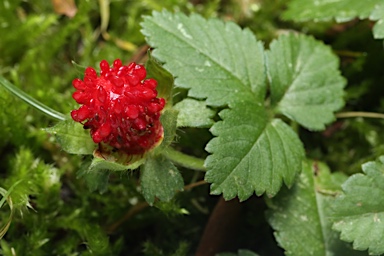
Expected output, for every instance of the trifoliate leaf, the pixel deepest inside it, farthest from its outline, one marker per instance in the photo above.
(194, 113)
(160, 178)
(216, 60)
(359, 212)
(252, 155)
(306, 85)
(72, 137)
(301, 215)
(247, 141)
(341, 10)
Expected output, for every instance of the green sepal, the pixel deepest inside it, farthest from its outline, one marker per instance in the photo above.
(106, 159)
(95, 179)
(164, 79)
(72, 137)
(160, 179)
(168, 119)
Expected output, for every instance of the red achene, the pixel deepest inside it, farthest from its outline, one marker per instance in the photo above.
(120, 107)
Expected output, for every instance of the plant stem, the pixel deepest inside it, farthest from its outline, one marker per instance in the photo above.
(195, 184)
(31, 101)
(141, 206)
(132, 212)
(184, 160)
(359, 114)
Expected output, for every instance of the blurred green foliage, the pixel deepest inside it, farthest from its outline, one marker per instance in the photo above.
(55, 214)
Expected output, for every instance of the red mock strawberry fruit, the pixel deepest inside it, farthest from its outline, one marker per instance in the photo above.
(120, 107)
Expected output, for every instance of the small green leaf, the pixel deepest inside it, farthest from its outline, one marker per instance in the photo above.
(341, 10)
(163, 77)
(194, 113)
(72, 137)
(359, 212)
(160, 179)
(301, 215)
(253, 155)
(306, 85)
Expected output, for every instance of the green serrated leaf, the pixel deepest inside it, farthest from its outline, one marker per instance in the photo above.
(306, 85)
(252, 156)
(341, 10)
(301, 215)
(194, 113)
(359, 212)
(192, 49)
(72, 137)
(160, 179)
(162, 76)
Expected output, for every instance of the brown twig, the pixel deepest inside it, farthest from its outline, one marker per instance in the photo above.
(196, 184)
(132, 212)
(141, 206)
(140, 55)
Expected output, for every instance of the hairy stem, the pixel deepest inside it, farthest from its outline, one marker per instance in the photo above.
(359, 114)
(31, 101)
(184, 160)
